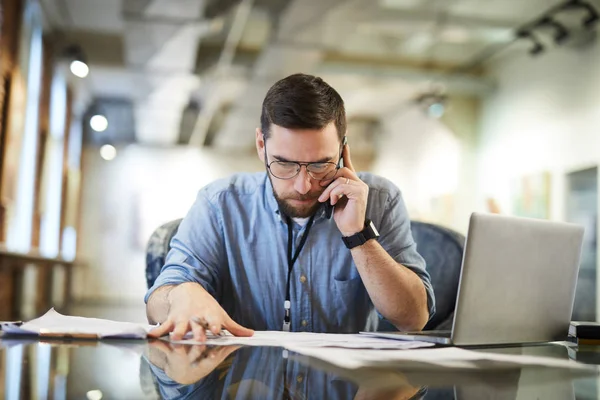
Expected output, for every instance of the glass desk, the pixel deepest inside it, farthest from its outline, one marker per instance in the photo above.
(138, 369)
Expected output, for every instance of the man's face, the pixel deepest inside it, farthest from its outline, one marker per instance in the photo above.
(297, 197)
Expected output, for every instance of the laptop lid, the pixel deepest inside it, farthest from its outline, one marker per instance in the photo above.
(517, 282)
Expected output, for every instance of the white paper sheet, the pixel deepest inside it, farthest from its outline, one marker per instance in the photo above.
(449, 357)
(55, 324)
(309, 339)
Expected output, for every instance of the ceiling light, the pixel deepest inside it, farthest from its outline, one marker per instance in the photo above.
(433, 103)
(94, 395)
(108, 152)
(78, 63)
(436, 110)
(99, 123)
(79, 69)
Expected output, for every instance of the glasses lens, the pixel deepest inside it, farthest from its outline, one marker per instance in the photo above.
(322, 171)
(284, 170)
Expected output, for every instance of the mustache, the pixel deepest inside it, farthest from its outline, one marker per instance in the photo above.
(303, 197)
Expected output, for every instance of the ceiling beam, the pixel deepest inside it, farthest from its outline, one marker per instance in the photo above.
(211, 105)
(454, 82)
(380, 16)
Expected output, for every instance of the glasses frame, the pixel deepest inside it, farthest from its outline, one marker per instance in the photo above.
(337, 165)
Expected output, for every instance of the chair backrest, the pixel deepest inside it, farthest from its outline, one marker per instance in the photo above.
(441, 248)
(158, 247)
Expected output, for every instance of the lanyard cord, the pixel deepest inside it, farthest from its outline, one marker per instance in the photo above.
(291, 262)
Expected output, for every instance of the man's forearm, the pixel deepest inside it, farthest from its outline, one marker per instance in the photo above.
(397, 292)
(157, 308)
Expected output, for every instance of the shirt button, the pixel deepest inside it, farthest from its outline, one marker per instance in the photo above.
(304, 322)
(303, 279)
(299, 378)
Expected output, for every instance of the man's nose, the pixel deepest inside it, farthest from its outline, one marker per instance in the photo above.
(302, 182)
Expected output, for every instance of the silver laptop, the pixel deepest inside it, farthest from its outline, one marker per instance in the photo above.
(517, 283)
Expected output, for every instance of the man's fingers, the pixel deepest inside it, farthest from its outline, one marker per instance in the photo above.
(162, 330)
(236, 329)
(195, 352)
(198, 331)
(181, 328)
(215, 329)
(212, 324)
(337, 193)
(327, 192)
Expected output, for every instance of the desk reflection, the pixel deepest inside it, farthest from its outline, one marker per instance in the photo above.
(157, 369)
(234, 372)
(267, 373)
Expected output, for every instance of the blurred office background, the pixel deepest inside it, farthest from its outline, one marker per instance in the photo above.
(114, 113)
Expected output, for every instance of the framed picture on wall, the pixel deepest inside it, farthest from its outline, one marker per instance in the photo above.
(530, 196)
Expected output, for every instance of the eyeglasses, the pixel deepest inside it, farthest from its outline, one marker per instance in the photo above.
(320, 171)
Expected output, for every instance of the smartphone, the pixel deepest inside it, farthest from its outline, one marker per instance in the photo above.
(340, 164)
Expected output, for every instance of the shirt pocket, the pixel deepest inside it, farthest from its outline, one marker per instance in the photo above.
(351, 305)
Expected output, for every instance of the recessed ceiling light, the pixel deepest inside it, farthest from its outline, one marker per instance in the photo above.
(99, 123)
(79, 69)
(108, 152)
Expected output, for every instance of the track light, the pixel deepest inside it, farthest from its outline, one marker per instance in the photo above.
(77, 61)
(537, 48)
(561, 34)
(433, 104)
(591, 18)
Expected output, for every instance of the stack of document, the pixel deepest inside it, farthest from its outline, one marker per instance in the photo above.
(54, 324)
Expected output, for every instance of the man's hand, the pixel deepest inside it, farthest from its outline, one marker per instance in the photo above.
(191, 308)
(350, 212)
(187, 364)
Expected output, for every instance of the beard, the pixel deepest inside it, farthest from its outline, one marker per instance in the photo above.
(303, 211)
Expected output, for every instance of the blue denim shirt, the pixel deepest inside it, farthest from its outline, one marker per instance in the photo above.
(233, 242)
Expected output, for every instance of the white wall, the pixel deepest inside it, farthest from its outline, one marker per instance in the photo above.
(427, 161)
(124, 200)
(545, 116)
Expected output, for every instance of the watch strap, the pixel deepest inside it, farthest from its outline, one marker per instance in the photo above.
(369, 232)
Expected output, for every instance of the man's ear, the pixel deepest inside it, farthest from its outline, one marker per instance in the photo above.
(260, 145)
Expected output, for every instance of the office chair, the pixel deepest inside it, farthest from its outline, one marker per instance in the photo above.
(157, 249)
(441, 248)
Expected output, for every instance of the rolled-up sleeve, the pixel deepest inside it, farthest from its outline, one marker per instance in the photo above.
(396, 238)
(197, 250)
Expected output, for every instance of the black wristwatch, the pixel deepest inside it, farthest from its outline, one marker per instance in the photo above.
(369, 232)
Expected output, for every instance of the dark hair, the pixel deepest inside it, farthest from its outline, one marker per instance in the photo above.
(302, 101)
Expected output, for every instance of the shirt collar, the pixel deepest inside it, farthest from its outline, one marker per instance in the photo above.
(270, 197)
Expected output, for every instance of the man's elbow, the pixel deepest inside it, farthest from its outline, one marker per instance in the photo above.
(412, 322)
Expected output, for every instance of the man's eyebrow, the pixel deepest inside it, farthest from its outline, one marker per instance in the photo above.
(322, 160)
